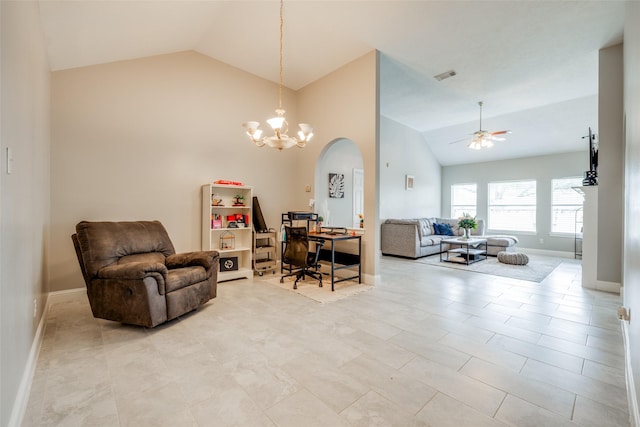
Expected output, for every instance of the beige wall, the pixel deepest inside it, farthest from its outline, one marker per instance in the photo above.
(344, 104)
(631, 271)
(611, 164)
(137, 139)
(24, 196)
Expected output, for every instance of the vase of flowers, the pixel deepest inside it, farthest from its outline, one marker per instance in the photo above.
(467, 222)
(361, 218)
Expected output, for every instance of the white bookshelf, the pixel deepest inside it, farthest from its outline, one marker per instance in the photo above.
(222, 210)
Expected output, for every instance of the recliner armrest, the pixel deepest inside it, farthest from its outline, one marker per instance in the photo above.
(132, 270)
(204, 259)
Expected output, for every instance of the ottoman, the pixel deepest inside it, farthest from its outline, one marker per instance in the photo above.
(514, 258)
(497, 244)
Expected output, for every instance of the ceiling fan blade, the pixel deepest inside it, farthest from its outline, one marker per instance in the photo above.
(482, 138)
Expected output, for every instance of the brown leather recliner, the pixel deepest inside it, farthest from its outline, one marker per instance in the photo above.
(133, 274)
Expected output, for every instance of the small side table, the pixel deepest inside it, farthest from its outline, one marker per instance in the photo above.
(471, 250)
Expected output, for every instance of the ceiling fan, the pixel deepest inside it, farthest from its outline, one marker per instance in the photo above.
(483, 138)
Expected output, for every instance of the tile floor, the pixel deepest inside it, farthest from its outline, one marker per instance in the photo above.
(429, 346)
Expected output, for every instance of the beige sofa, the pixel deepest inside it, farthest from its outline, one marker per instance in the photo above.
(415, 238)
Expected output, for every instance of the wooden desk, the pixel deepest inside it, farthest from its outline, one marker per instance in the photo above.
(333, 238)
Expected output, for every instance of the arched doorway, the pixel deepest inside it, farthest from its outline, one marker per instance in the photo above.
(339, 184)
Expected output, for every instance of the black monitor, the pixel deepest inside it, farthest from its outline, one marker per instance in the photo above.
(259, 225)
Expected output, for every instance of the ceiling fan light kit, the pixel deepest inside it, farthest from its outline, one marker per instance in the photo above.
(484, 138)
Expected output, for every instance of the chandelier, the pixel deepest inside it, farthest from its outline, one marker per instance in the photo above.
(280, 140)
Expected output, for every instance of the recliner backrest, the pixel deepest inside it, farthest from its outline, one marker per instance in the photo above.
(103, 243)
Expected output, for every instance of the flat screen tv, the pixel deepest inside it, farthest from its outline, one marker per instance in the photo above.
(259, 225)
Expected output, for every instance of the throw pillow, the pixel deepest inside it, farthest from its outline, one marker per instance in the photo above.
(446, 230)
(438, 229)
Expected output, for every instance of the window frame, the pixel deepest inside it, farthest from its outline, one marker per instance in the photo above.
(451, 205)
(552, 205)
(535, 207)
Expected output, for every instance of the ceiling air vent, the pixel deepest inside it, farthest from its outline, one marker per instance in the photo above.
(445, 75)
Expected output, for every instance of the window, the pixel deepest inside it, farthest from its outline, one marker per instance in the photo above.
(512, 206)
(463, 200)
(566, 205)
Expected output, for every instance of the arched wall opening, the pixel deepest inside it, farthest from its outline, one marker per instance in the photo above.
(339, 191)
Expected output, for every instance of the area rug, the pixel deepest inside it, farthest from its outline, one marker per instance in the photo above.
(309, 288)
(536, 270)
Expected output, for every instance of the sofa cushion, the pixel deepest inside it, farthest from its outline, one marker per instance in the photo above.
(432, 240)
(149, 257)
(424, 228)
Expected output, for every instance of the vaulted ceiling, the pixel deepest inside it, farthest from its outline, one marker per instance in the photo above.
(533, 63)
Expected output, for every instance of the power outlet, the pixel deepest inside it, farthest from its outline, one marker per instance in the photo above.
(35, 308)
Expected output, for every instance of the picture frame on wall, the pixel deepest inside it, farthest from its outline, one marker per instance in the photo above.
(408, 184)
(336, 185)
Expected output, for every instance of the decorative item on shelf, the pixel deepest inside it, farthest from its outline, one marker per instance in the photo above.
(279, 124)
(229, 263)
(227, 240)
(467, 222)
(237, 220)
(319, 224)
(216, 222)
(216, 201)
(361, 218)
(227, 182)
(238, 200)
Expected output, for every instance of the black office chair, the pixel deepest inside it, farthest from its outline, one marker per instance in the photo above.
(297, 254)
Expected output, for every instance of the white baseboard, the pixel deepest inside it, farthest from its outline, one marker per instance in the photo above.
(22, 397)
(58, 296)
(558, 254)
(612, 287)
(634, 412)
(371, 279)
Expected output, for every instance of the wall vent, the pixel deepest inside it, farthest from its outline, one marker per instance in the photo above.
(445, 75)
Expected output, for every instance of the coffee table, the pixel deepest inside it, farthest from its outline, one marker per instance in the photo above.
(466, 251)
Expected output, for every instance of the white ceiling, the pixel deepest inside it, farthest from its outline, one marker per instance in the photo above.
(533, 63)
